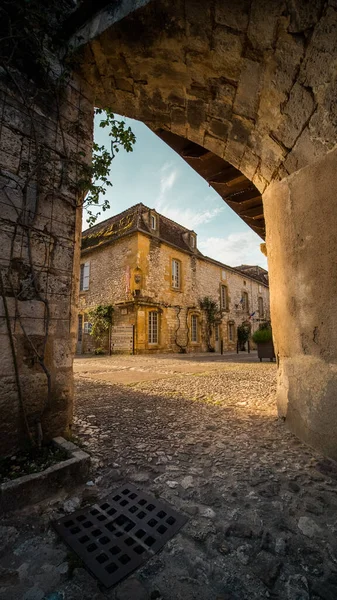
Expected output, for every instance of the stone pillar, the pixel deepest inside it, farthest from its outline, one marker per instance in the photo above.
(42, 134)
(301, 223)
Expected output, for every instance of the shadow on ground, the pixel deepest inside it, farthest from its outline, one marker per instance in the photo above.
(261, 506)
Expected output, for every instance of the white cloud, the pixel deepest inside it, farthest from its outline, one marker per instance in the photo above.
(188, 217)
(235, 249)
(167, 182)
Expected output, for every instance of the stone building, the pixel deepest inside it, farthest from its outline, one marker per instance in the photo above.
(150, 269)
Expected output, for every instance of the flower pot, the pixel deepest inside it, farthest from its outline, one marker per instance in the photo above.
(265, 350)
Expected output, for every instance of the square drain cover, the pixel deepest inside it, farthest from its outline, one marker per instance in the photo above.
(117, 535)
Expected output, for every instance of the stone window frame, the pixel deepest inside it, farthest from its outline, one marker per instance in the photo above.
(150, 326)
(195, 317)
(178, 287)
(224, 286)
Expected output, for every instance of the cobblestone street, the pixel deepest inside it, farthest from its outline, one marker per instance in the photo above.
(200, 432)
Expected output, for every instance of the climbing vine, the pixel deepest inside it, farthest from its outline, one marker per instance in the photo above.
(100, 318)
(36, 67)
(212, 315)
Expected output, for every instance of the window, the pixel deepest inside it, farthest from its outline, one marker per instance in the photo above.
(231, 332)
(153, 327)
(244, 300)
(261, 307)
(153, 221)
(217, 332)
(194, 328)
(87, 327)
(84, 276)
(223, 297)
(193, 240)
(176, 274)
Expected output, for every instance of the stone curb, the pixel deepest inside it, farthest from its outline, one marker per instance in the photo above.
(33, 488)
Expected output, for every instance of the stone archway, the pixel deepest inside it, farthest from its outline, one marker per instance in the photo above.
(252, 84)
(255, 84)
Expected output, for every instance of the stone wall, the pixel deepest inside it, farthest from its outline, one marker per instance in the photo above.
(111, 269)
(40, 226)
(302, 243)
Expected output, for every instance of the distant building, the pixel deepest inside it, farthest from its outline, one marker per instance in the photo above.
(150, 269)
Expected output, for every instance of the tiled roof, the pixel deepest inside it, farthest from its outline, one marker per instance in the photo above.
(135, 219)
(113, 228)
(254, 271)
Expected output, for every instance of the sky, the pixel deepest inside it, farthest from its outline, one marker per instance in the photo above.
(159, 178)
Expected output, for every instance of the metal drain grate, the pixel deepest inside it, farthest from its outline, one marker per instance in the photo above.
(120, 533)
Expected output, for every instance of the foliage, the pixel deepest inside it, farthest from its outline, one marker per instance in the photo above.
(263, 334)
(213, 315)
(243, 333)
(101, 319)
(95, 179)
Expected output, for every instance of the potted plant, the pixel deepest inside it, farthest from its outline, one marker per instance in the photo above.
(263, 338)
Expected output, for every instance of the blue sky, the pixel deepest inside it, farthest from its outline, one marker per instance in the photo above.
(156, 176)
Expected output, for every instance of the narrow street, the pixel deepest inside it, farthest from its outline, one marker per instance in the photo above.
(200, 432)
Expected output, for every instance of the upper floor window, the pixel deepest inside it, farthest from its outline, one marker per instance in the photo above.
(261, 307)
(245, 303)
(153, 221)
(223, 297)
(176, 274)
(193, 240)
(153, 327)
(194, 328)
(84, 276)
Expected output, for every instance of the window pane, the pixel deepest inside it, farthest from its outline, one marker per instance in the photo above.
(176, 274)
(223, 297)
(153, 327)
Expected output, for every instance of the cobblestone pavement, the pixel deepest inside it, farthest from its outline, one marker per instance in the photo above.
(204, 436)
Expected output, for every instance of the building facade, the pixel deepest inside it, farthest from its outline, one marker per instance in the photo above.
(150, 269)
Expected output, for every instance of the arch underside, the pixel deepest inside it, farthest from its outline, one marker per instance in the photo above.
(251, 84)
(234, 188)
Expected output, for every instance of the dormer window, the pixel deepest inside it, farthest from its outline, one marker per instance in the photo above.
(153, 221)
(193, 240)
